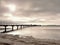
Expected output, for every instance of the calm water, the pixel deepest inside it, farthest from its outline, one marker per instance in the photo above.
(39, 32)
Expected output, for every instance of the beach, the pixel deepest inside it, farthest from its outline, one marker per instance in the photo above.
(25, 40)
(32, 36)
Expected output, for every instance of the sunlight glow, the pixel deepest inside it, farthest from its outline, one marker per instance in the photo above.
(23, 19)
(11, 17)
(42, 19)
(11, 7)
(7, 14)
(14, 18)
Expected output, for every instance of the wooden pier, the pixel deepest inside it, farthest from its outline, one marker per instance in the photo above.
(22, 26)
(18, 27)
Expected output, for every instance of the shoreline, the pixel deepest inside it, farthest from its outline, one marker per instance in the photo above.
(8, 39)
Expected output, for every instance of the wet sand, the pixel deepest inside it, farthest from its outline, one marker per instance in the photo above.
(25, 40)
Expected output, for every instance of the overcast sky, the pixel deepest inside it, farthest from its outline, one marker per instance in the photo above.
(32, 11)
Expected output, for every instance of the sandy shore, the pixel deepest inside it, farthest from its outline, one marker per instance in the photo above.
(6, 39)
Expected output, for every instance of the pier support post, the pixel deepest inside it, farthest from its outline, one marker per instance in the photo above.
(5, 28)
(12, 27)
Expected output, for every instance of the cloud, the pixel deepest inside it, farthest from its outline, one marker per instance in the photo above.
(39, 9)
(37, 5)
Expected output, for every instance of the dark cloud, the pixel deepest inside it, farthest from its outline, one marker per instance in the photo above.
(43, 5)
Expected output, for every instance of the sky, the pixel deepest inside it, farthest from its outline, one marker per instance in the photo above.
(30, 11)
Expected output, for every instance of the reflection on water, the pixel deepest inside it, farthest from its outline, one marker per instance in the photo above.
(39, 32)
